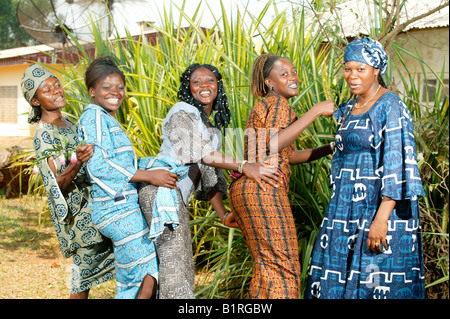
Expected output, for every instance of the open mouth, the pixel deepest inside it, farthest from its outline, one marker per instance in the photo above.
(113, 100)
(293, 86)
(205, 93)
(59, 98)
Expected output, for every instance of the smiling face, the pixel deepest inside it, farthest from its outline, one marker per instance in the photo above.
(360, 77)
(283, 78)
(50, 95)
(203, 87)
(109, 93)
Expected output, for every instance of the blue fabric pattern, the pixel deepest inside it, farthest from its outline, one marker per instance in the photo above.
(367, 51)
(375, 156)
(115, 206)
(165, 206)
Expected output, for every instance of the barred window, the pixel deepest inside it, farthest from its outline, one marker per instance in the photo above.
(8, 104)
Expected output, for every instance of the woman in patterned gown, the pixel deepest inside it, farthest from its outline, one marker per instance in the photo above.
(265, 216)
(369, 244)
(68, 190)
(193, 143)
(114, 172)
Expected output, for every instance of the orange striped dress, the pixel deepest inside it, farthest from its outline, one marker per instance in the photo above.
(265, 218)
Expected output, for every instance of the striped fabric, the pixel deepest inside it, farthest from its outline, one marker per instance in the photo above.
(265, 217)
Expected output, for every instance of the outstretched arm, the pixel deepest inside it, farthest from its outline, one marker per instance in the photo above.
(257, 171)
(288, 135)
(309, 155)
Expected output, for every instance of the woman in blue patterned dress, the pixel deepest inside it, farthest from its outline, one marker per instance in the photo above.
(114, 172)
(369, 244)
(68, 190)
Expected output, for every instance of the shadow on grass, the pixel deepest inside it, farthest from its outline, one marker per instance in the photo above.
(20, 228)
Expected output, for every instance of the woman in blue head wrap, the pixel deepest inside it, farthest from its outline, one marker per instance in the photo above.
(369, 244)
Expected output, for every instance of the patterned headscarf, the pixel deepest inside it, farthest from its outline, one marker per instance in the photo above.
(32, 78)
(367, 51)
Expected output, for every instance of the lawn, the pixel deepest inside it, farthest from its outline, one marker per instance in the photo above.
(31, 265)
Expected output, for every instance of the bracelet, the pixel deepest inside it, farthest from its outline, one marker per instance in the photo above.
(241, 166)
(332, 146)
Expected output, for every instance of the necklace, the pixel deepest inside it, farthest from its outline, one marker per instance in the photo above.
(356, 106)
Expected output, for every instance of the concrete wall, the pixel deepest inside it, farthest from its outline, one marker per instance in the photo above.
(432, 45)
(11, 76)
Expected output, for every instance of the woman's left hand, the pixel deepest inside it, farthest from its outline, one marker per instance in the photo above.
(230, 220)
(84, 152)
(377, 237)
(261, 173)
(378, 230)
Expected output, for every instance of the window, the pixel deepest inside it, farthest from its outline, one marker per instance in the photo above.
(8, 104)
(430, 86)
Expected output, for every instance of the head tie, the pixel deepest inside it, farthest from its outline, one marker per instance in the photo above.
(367, 51)
(31, 80)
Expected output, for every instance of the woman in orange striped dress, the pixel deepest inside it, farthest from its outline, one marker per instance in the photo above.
(265, 216)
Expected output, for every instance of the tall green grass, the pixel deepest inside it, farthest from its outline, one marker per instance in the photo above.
(153, 70)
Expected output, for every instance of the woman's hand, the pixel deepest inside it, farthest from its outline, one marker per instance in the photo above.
(163, 178)
(230, 220)
(378, 230)
(84, 152)
(325, 108)
(377, 237)
(261, 172)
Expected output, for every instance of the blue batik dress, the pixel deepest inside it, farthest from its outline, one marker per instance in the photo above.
(375, 156)
(115, 207)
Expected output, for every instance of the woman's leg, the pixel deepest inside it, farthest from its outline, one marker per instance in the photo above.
(269, 230)
(80, 295)
(148, 288)
(174, 249)
(134, 252)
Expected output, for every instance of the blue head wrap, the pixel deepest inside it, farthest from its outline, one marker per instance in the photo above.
(367, 51)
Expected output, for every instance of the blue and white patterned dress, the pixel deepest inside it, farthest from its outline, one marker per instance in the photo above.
(115, 207)
(92, 254)
(375, 156)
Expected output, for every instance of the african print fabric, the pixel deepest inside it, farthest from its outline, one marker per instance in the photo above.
(115, 207)
(92, 255)
(375, 156)
(186, 140)
(265, 218)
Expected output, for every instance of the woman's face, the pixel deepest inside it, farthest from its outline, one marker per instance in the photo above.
(203, 86)
(109, 93)
(360, 77)
(50, 95)
(283, 78)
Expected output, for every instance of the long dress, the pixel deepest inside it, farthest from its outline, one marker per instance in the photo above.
(92, 254)
(375, 156)
(115, 207)
(186, 140)
(265, 218)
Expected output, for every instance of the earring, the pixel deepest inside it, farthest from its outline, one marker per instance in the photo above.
(271, 88)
